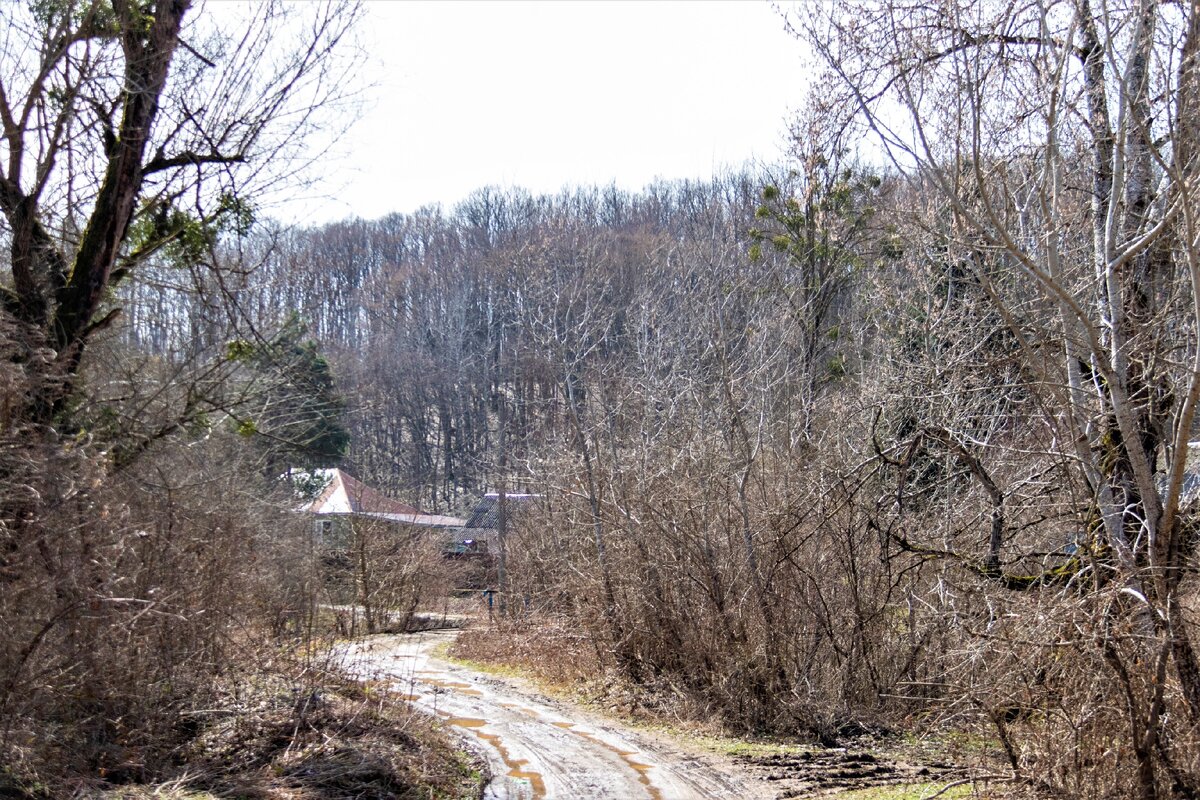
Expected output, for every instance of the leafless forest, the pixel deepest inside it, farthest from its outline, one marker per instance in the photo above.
(894, 436)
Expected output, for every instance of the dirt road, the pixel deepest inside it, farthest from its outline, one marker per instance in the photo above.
(538, 748)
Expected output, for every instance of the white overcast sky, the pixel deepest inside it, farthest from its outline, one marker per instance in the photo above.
(554, 93)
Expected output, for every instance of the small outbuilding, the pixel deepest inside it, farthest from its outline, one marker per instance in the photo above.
(479, 535)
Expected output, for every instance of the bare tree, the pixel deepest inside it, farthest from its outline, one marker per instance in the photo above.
(1061, 136)
(133, 138)
(122, 138)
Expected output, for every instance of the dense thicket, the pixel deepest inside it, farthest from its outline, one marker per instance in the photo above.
(141, 556)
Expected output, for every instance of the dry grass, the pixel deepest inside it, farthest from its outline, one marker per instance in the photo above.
(552, 652)
(336, 744)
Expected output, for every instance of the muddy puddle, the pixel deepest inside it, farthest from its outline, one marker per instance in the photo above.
(455, 686)
(641, 769)
(516, 766)
(819, 773)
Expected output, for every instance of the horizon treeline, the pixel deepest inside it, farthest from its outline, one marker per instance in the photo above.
(435, 323)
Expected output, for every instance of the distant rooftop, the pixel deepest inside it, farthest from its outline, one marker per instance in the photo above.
(424, 520)
(345, 494)
(486, 513)
(342, 493)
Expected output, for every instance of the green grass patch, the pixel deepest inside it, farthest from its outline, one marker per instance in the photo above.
(500, 670)
(743, 748)
(952, 745)
(912, 791)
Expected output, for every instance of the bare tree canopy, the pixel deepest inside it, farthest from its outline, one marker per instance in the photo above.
(127, 128)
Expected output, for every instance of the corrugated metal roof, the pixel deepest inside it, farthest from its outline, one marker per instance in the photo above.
(423, 520)
(486, 513)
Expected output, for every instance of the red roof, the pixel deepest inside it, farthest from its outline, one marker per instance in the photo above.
(346, 494)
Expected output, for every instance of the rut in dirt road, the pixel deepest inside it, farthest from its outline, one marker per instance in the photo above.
(537, 749)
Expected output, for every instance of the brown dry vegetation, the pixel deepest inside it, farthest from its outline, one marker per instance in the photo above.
(338, 742)
(158, 599)
(157, 634)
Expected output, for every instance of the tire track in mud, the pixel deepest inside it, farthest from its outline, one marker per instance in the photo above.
(538, 749)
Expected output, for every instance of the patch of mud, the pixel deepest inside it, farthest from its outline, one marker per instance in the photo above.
(537, 748)
(815, 773)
